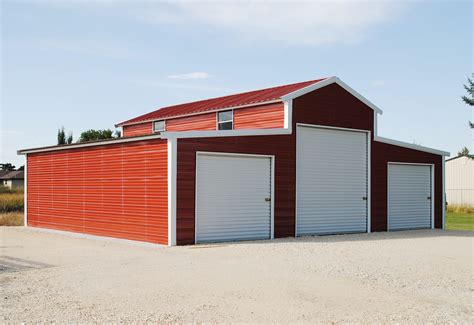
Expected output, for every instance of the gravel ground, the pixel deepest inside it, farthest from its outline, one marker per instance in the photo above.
(415, 276)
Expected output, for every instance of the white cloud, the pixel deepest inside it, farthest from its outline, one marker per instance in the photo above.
(191, 75)
(289, 22)
(306, 22)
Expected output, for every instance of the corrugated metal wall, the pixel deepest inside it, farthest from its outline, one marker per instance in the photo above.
(460, 181)
(200, 122)
(331, 106)
(382, 154)
(258, 117)
(264, 117)
(137, 129)
(115, 190)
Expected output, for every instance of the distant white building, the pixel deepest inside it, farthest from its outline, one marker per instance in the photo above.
(12, 179)
(460, 180)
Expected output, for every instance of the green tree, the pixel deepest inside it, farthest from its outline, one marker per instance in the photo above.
(61, 136)
(469, 99)
(464, 152)
(69, 138)
(94, 135)
(7, 166)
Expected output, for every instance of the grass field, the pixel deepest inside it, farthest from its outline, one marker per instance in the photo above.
(460, 221)
(11, 207)
(11, 219)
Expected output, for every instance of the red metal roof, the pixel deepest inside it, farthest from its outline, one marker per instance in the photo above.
(247, 98)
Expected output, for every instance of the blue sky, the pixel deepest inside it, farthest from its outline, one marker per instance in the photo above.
(86, 65)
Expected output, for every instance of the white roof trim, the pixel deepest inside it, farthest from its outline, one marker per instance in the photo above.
(88, 144)
(411, 146)
(326, 82)
(223, 133)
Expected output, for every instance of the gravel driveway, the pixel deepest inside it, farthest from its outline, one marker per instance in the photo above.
(414, 276)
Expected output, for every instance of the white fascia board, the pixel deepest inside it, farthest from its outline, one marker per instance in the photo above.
(223, 133)
(329, 81)
(89, 144)
(172, 174)
(411, 146)
(25, 196)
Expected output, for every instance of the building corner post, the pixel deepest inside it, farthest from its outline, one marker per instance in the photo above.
(443, 196)
(25, 189)
(172, 173)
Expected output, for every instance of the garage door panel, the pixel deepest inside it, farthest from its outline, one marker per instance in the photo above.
(331, 181)
(409, 196)
(230, 198)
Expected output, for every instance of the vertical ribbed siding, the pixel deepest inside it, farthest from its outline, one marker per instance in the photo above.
(200, 122)
(260, 117)
(460, 181)
(137, 129)
(114, 190)
(409, 196)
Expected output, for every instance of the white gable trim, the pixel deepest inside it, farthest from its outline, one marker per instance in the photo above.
(326, 82)
(411, 146)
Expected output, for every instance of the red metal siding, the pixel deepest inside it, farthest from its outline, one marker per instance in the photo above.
(331, 106)
(282, 146)
(263, 117)
(115, 190)
(200, 122)
(137, 129)
(383, 153)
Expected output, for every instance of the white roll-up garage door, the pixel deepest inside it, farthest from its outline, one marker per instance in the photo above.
(332, 167)
(233, 197)
(409, 196)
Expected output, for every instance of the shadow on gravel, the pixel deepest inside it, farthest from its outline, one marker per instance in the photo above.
(360, 237)
(14, 264)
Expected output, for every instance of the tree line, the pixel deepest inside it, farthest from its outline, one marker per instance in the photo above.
(87, 136)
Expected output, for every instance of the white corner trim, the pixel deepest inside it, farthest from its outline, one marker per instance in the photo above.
(288, 114)
(89, 144)
(172, 166)
(443, 195)
(326, 82)
(411, 146)
(25, 198)
(223, 133)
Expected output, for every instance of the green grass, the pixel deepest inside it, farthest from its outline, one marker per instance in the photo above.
(460, 220)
